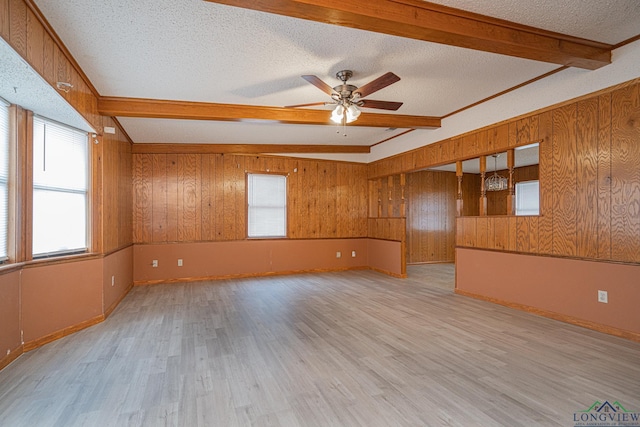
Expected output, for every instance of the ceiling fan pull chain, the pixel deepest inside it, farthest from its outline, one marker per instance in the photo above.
(344, 124)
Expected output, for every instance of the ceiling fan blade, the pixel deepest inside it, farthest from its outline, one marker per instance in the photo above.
(382, 105)
(305, 105)
(377, 84)
(315, 80)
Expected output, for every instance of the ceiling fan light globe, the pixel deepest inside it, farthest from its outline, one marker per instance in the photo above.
(352, 113)
(336, 115)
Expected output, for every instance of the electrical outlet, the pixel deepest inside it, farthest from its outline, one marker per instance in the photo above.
(338, 254)
(603, 297)
(353, 254)
(180, 262)
(154, 263)
(113, 280)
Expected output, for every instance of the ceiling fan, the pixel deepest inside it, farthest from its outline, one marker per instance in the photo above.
(347, 98)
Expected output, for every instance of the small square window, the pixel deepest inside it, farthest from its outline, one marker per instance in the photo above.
(528, 198)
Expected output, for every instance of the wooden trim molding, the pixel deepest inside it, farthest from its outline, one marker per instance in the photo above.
(633, 336)
(109, 310)
(389, 273)
(95, 229)
(244, 148)
(536, 254)
(167, 109)
(62, 259)
(393, 137)
(31, 345)
(440, 24)
(244, 276)
(118, 249)
(511, 89)
(13, 355)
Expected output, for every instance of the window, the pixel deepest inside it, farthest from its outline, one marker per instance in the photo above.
(4, 177)
(267, 205)
(60, 166)
(528, 198)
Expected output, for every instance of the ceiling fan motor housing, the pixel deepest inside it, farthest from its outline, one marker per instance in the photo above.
(345, 90)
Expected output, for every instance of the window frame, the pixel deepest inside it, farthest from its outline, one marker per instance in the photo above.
(286, 207)
(521, 184)
(88, 193)
(7, 182)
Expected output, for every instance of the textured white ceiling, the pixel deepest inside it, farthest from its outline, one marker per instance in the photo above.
(200, 51)
(606, 21)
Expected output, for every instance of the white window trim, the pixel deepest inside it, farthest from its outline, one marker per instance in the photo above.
(283, 207)
(522, 186)
(86, 192)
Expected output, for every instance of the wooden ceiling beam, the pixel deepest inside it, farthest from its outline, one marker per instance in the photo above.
(164, 109)
(161, 148)
(430, 22)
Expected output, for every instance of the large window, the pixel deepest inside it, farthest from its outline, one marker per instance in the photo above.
(267, 205)
(60, 169)
(4, 177)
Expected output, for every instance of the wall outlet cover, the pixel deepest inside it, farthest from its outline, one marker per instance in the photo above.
(603, 297)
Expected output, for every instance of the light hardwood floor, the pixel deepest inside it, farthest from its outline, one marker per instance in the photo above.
(433, 275)
(337, 349)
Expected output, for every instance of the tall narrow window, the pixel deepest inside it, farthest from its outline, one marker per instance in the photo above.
(4, 177)
(267, 205)
(60, 169)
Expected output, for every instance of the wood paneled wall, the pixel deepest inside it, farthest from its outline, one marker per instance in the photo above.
(427, 199)
(589, 185)
(201, 197)
(470, 194)
(431, 214)
(387, 197)
(387, 229)
(24, 29)
(117, 198)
